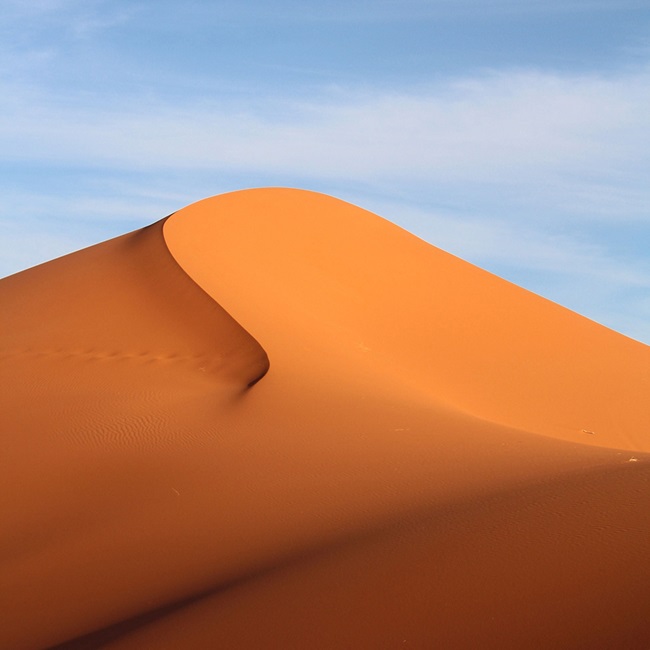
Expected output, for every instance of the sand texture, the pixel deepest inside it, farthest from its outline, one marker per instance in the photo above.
(276, 420)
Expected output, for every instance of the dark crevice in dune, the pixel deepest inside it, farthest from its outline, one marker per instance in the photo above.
(258, 378)
(103, 637)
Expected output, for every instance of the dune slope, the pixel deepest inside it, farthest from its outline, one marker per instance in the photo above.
(277, 420)
(97, 350)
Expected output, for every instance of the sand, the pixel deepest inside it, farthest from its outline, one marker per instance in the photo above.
(276, 420)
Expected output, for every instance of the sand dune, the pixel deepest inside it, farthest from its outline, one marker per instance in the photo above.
(275, 420)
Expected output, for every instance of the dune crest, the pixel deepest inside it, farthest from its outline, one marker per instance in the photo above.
(332, 276)
(274, 419)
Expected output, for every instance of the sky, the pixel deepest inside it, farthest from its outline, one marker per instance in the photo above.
(514, 134)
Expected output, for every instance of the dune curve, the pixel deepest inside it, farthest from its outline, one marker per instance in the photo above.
(433, 458)
(343, 277)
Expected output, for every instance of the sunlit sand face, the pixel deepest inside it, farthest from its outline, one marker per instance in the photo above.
(277, 420)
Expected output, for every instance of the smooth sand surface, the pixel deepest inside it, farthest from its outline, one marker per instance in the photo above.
(275, 420)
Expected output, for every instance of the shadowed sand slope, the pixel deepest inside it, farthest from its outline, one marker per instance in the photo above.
(435, 457)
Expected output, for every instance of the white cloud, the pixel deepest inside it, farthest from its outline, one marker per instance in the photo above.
(499, 128)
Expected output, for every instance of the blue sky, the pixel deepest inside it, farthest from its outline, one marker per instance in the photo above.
(512, 133)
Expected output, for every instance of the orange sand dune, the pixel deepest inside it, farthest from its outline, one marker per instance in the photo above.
(275, 420)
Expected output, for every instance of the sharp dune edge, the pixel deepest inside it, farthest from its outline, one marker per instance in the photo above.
(275, 420)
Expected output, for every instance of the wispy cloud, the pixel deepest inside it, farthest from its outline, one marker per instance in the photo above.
(573, 136)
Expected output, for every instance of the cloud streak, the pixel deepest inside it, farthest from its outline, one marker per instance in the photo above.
(498, 128)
